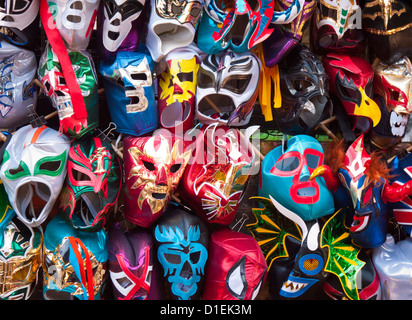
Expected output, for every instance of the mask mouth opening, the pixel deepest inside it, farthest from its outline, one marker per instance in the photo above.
(171, 34)
(58, 295)
(216, 106)
(175, 114)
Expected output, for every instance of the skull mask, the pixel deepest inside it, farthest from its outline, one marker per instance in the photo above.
(227, 88)
(34, 168)
(93, 183)
(75, 21)
(119, 24)
(392, 90)
(182, 249)
(75, 263)
(153, 168)
(129, 89)
(18, 95)
(172, 25)
(291, 169)
(51, 75)
(236, 268)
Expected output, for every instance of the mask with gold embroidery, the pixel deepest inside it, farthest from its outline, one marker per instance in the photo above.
(92, 185)
(153, 168)
(75, 265)
(177, 90)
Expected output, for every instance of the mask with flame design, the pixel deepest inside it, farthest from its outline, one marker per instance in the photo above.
(153, 168)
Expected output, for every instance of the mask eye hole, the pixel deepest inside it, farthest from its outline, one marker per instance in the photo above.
(175, 168)
(50, 166)
(195, 257)
(17, 170)
(313, 161)
(287, 164)
(80, 176)
(301, 85)
(172, 258)
(185, 76)
(237, 84)
(205, 80)
(149, 165)
(139, 76)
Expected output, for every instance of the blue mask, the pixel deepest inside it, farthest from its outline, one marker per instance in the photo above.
(285, 177)
(129, 89)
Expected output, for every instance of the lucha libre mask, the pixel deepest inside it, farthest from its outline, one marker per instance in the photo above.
(240, 25)
(182, 249)
(236, 267)
(75, 21)
(393, 264)
(133, 269)
(227, 88)
(351, 81)
(213, 183)
(388, 28)
(129, 90)
(93, 183)
(177, 90)
(291, 169)
(172, 25)
(337, 27)
(51, 75)
(20, 253)
(153, 168)
(18, 96)
(392, 89)
(305, 95)
(33, 169)
(285, 37)
(75, 263)
(19, 23)
(119, 25)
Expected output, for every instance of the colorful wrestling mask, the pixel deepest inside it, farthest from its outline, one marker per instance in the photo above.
(351, 81)
(75, 265)
(305, 93)
(285, 176)
(392, 86)
(213, 183)
(177, 90)
(20, 253)
(18, 94)
(119, 25)
(227, 88)
(182, 249)
(129, 90)
(236, 267)
(93, 183)
(75, 21)
(240, 25)
(133, 269)
(337, 27)
(51, 75)
(153, 168)
(33, 169)
(172, 25)
(388, 28)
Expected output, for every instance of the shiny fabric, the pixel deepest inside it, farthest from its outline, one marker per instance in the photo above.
(75, 20)
(75, 265)
(92, 185)
(172, 25)
(392, 90)
(236, 268)
(214, 181)
(129, 90)
(134, 272)
(227, 88)
(388, 28)
(153, 167)
(18, 98)
(285, 176)
(182, 241)
(393, 262)
(34, 168)
(51, 75)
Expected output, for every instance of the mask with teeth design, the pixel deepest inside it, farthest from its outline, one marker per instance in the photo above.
(129, 89)
(153, 168)
(392, 89)
(305, 93)
(51, 75)
(290, 167)
(182, 241)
